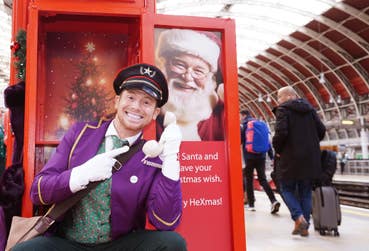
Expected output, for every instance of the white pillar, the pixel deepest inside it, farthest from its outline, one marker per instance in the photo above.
(364, 142)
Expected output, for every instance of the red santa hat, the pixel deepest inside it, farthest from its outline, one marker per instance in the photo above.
(191, 42)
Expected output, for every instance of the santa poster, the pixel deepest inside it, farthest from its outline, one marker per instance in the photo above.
(190, 60)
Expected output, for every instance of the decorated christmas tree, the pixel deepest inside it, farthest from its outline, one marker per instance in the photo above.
(87, 99)
(18, 48)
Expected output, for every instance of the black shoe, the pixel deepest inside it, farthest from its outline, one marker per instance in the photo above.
(275, 207)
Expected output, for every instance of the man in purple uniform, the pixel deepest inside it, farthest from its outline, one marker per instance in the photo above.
(113, 215)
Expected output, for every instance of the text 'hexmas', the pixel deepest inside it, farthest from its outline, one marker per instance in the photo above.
(202, 202)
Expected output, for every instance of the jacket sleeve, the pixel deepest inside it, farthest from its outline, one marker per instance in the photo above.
(51, 184)
(281, 130)
(270, 152)
(165, 203)
(319, 126)
(242, 131)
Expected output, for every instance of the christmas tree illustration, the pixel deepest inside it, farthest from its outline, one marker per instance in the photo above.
(88, 98)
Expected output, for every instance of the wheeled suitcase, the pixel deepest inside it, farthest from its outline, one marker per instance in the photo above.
(326, 210)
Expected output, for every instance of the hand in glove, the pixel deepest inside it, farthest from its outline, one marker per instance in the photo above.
(152, 148)
(171, 140)
(95, 169)
(167, 147)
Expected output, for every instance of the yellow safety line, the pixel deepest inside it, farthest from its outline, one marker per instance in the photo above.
(349, 211)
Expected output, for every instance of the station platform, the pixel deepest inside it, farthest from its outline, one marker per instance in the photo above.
(353, 178)
(267, 232)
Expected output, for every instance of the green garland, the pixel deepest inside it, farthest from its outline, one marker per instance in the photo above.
(18, 48)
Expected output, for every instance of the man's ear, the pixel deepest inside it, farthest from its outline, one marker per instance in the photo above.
(116, 102)
(156, 113)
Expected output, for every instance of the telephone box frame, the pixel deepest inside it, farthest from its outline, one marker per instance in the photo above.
(149, 21)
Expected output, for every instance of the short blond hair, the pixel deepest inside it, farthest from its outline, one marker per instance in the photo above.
(287, 93)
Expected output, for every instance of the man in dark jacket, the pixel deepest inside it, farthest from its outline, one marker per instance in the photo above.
(256, 161)
(298, 131)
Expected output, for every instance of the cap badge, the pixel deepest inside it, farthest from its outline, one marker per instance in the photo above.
(147, 71)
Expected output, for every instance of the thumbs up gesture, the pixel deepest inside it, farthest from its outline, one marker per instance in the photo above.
(97, 168)
(152, 148)
(167, 148)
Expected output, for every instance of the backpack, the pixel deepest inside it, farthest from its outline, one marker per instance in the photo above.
(257, 137)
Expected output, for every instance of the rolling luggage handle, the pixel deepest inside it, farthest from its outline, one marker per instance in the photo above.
(321, 196)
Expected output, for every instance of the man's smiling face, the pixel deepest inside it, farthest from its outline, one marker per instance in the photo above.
(135, 109)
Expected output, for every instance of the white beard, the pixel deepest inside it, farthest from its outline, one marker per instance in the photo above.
(191, 107)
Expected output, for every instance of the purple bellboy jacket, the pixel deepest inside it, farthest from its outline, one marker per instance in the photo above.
(137, 189)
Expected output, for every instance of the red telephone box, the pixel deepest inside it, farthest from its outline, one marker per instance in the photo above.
(74, 49)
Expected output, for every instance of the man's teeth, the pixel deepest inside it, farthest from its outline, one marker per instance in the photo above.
(134, 116)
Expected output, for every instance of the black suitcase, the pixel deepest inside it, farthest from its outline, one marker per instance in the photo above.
(326, 210)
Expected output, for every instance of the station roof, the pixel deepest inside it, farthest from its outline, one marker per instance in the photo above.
(320, 47)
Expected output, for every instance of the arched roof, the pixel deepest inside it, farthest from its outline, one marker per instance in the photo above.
(320, 47)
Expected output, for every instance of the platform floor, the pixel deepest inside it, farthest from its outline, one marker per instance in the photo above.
(267, 232)
(354, 178)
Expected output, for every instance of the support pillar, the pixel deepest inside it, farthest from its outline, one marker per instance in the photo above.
(364, 135)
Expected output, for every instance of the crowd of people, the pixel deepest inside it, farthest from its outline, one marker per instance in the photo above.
(297, 159)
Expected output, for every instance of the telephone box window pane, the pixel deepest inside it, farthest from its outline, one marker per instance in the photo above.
(80, 68)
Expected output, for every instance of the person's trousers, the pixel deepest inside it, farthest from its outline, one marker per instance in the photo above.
(259, 166)
(244, 181)
(144, 240)
(3, 230)
(297, 196)
(342, 165)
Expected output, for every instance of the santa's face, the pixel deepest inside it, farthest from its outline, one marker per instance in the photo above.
(188, 73)
(191, 87)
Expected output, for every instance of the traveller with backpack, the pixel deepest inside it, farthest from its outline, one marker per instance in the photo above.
(255, 146)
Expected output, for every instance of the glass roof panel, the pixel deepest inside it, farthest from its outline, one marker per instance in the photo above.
(259, 23)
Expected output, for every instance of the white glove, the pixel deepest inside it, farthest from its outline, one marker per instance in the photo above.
(171, 139)
(152, 148)
(95, 169)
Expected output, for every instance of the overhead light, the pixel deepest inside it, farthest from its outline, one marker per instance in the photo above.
(268, 99)
(331, 100)
(339, 100)
(321, 78)
(347, 122)
(260, 98)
